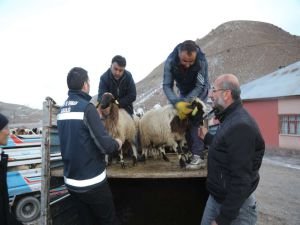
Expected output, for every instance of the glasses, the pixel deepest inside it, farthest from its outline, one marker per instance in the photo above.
(216, 90)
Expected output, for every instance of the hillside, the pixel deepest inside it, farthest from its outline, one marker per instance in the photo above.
(21, 116)
(248, 49)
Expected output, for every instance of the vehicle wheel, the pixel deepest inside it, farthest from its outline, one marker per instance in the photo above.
(27, 209)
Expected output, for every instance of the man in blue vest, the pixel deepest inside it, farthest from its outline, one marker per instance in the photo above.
(187, 67)
(84, 143)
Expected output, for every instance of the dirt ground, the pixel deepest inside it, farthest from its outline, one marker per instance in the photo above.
(278, 193)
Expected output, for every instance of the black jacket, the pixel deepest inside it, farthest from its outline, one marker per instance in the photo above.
(84, 143)
(234, 158)
(123, 90)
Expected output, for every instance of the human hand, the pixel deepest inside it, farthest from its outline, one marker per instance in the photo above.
(214, 223)
(202, 131)
(120, 143)
(183, 109)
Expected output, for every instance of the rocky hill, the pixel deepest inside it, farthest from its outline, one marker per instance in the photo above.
(21, 116)
(248, 49)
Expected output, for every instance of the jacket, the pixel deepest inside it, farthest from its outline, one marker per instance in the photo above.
(234, 158)
(191, 83)
(123, 90)
(84, 143)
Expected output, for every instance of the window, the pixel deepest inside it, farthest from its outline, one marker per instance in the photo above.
(290, 124)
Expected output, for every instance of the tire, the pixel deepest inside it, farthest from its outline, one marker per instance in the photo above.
(27, 209)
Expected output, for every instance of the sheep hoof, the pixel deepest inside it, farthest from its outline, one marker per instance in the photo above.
(134, 160)
(165, 158)
(123, 165)
(141, 158)
(182, 163)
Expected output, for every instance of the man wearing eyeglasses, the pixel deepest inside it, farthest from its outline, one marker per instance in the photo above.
(234, 157)
(187, 67)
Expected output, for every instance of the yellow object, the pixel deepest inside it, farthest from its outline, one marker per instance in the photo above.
(183, 109)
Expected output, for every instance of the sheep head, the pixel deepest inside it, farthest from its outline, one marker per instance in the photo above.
(199, 108)
(108, 107)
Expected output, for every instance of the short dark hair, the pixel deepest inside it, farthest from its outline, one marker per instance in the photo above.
(76, 78)
(189, 46)
(120, 60)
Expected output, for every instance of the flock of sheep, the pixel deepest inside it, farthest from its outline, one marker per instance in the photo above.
(155, 130)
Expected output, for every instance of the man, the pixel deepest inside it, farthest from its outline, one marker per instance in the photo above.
(6, 217)
(187, 66)
(84, 143)
(120, 83)
(234, 158)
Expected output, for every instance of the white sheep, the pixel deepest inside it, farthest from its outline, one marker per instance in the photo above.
(118, 123)
(162, 127)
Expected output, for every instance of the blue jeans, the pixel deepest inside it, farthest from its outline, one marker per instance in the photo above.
(195, 144)
(247, 214)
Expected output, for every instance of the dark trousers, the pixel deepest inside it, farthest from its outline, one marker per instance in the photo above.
(95, 207)
(195, 144)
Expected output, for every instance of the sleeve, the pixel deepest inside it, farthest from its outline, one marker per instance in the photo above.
(102, 87)
(130, 97)
(168, 82)
(241, 146)
(202, 85)
(105, 143)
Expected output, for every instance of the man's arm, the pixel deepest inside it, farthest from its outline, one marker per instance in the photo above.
(105, 143)
(168, 83)
(202, 83)
(130, 97)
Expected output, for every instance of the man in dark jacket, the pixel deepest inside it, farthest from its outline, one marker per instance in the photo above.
(84, 143)
(120, 83)
(187, 66)
(6, 218)
(234, 158)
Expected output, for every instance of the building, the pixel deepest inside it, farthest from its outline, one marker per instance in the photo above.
(274, 101)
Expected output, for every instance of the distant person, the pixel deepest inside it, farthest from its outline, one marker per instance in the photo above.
(119, 82)
(84, 143)
(187, 67)
(5, 216)
(234, 157)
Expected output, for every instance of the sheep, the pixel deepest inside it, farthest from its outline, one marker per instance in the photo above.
(118, 123)
(162, 127)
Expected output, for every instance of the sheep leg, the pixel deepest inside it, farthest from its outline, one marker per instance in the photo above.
(181, 156)
(163, 152)
(122, 159)
(134, 156)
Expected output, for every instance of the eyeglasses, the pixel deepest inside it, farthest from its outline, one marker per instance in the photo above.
(216, 90)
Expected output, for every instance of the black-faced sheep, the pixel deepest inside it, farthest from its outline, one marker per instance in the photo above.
(118, 123)
(160, 128)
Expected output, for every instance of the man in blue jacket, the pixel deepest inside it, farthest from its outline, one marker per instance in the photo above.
(84, 143)
(187, 67)
(234, 157)
(119, 83)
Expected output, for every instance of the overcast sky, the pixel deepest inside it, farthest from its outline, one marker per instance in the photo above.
(41, 40)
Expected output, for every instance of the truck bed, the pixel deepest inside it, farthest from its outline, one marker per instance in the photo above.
(152, 168)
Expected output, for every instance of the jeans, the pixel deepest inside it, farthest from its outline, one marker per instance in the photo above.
(247, 214)
(95, 206)
(195, 144)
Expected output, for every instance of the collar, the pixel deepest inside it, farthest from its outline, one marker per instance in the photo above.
(80, 94)
(223, 114)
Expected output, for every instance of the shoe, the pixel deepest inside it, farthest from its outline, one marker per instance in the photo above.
(196, 163)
